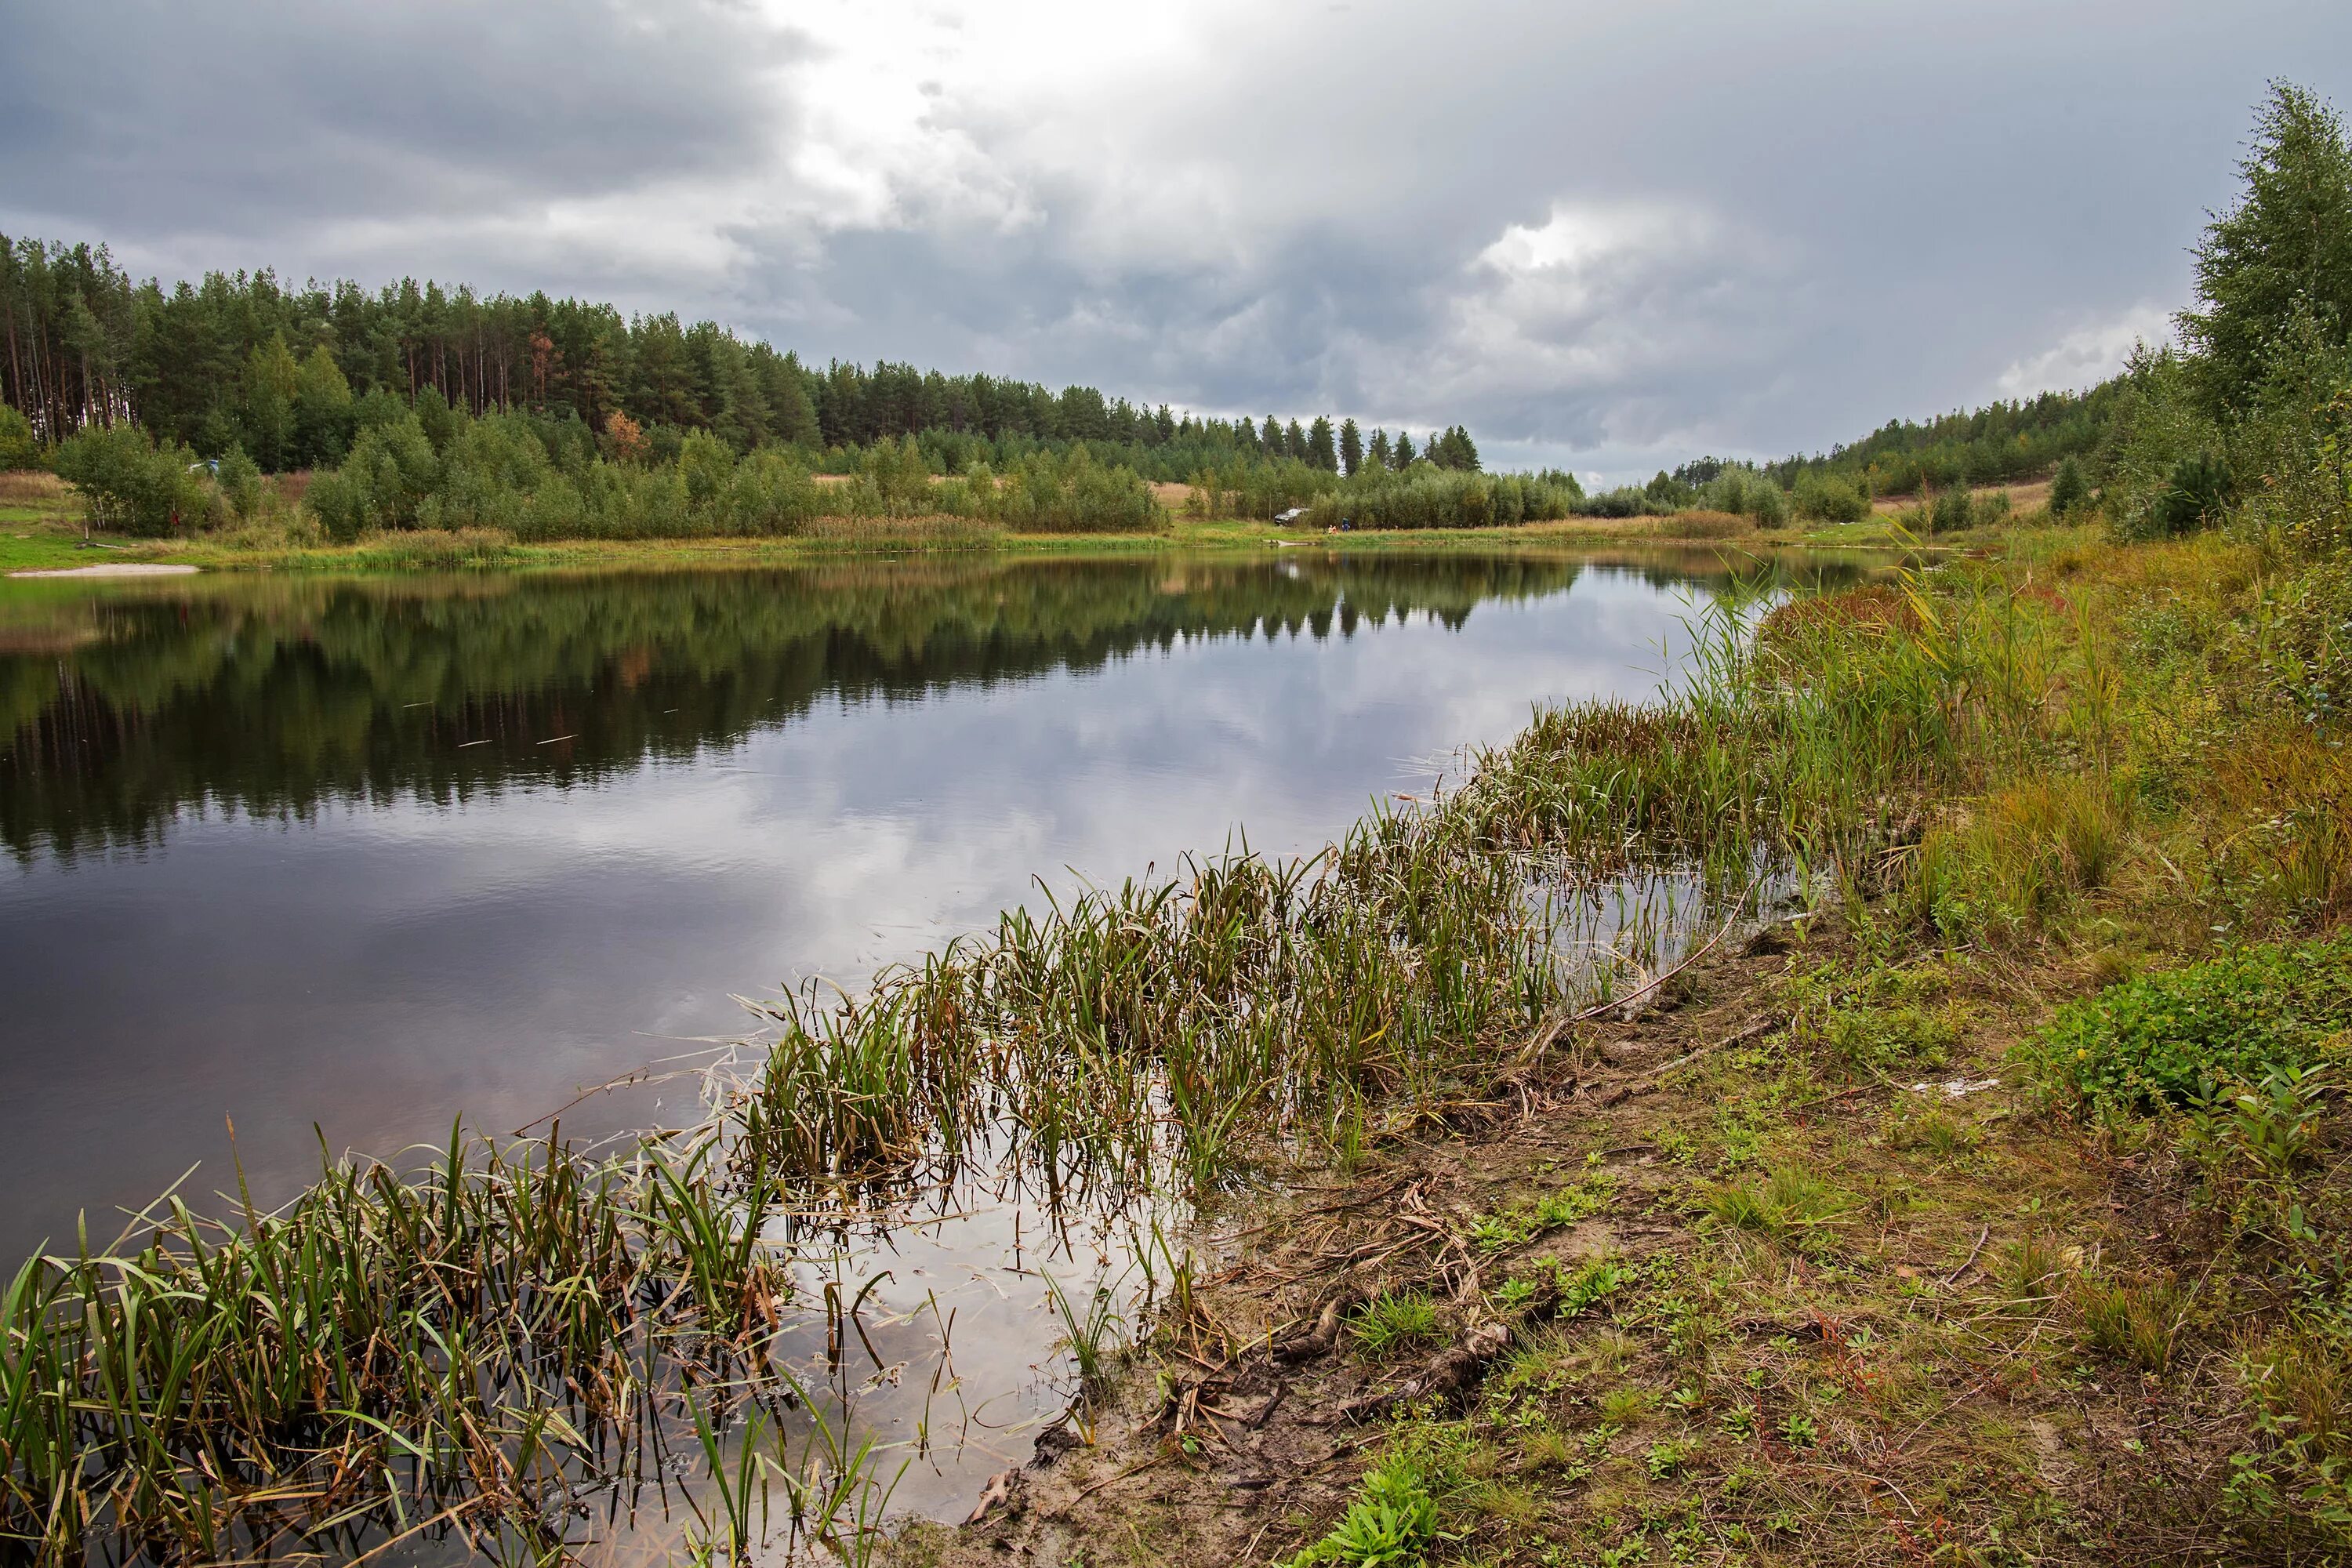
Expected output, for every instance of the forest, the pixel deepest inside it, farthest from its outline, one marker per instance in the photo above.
(417, 406)
(242, 360)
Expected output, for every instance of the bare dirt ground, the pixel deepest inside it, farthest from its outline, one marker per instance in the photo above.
(115, 569)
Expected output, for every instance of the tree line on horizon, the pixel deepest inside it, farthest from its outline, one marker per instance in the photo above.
(243, 361)
(567, 418)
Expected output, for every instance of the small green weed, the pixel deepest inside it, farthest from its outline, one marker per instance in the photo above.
(2134, 1323)
(1394, 1320)
(2027, 1273)
(1938, 1135)
(1790, 1206)
(1391, 1523)
(1666, 1459)
(1590, 1285)
(1875, 1040)
(1625, 1406)
(1508, 1228)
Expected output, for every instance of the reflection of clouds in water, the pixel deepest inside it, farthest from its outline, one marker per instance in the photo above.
(381, 967)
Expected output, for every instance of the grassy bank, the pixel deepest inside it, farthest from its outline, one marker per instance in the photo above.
(459, 1350)
(41, 529)
(1987, 1206)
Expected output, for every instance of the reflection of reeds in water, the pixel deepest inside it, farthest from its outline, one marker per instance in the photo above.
(511, 1346)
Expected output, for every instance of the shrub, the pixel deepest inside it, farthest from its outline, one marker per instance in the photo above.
(2196, 494)
(769, 493)
(1950, 511)
(1827, 497)
(1263, 490)
(133, 485)
(1745, 492)
(1069, 492)
(18, 447)
(240, 481)
(383, 483)
(1427, 497)
(1625, 500)
(2185, 1034)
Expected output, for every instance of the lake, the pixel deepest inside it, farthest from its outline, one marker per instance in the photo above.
(368, 856)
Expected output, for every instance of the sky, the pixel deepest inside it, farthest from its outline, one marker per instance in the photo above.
(1606, 237)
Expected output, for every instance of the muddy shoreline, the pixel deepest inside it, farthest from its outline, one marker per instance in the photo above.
(1754, 1401)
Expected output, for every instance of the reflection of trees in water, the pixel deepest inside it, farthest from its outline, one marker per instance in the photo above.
(271, 696)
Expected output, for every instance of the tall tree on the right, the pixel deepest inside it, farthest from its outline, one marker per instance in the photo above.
(2285, 251)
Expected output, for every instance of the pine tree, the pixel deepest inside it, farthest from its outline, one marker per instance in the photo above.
(1455, 450)
(1294, 441)
(1378, 452)
(2069, 489)
(1351, 448)
(1401, 458)
(1321, 449)
(2285, 247)
(1275, 446)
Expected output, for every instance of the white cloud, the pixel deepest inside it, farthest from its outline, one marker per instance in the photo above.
(2086, 355)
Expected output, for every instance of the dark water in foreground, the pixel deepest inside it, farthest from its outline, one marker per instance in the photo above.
(369, 855)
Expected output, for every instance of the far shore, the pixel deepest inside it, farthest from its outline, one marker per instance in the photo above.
(52, 550)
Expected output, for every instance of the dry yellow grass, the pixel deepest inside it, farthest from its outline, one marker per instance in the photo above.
(2022, 498)
(32, 487)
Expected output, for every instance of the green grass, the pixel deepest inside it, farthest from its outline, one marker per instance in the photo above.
(1395, 1320)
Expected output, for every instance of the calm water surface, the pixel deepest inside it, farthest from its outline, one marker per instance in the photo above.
(371, 855)
(368, 856)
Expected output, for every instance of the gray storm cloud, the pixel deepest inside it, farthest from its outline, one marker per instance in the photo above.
(1602, 235)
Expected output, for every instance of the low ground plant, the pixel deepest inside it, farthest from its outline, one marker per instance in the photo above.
(2184, 1036)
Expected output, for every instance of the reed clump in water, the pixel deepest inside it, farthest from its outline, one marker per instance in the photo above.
(452, 1347)
(1184, 1019)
